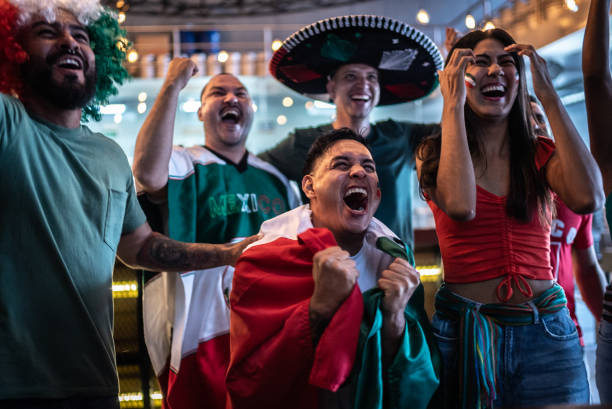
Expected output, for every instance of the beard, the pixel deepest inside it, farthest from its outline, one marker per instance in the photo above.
(66, 94)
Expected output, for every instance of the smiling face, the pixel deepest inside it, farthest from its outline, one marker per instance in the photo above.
(496, 80)
(355, 90)
(61, 65)
(343, 189)
(226, 112)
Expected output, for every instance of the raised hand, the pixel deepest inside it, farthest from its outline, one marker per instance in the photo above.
(180, 71)
(334, 275)
(452, 36)
(542, 84)
(398, 283)
(452, 78)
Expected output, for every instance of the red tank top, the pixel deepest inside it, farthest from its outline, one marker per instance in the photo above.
(493, 244)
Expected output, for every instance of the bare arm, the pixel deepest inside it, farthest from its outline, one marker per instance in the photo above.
(152, 251)
(590, 279)
(571, 172)
(154, 141)
(455, 191)
(598, 86)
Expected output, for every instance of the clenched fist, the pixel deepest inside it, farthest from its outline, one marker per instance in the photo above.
(334, 275)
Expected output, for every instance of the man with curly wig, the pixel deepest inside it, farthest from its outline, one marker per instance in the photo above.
(68, 207)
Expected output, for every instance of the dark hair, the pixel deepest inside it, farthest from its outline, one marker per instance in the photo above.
(528, 186)
(325, 141)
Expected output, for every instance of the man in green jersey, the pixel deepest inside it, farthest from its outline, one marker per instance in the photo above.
(359, 62)
(216, 193)
(68, 207)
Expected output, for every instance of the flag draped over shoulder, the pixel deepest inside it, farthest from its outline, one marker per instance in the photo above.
(273, 362)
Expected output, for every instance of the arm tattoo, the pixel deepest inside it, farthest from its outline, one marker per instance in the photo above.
(163, 253)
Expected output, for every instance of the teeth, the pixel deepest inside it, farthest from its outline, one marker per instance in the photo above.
(356, 190)
(230, 111)
(361, 97)
(69, 61)
(490, 88)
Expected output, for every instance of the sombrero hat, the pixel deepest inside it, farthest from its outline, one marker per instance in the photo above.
(407, 60)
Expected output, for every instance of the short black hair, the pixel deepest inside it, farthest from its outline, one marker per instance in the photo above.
(325, 141)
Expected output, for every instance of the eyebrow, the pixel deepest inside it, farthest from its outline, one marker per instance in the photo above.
(219, 88)
(499, 57)
(346, 158)
(57, 26)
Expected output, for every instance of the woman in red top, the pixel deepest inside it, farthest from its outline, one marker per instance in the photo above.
(504, 332)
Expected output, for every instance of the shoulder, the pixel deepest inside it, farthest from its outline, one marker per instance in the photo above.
(287, 225)
(183, 160)
(406, 127)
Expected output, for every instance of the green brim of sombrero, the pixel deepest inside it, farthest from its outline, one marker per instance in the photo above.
(407, 60)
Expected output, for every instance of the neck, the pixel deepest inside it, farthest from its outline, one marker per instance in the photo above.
(360, 126)
(233, 153)
(495, 136)
(349, 242)
(67, 118)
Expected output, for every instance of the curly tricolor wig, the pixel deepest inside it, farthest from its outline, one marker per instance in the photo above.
(107, 40)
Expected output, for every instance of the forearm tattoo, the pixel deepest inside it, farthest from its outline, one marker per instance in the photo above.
(164, 253)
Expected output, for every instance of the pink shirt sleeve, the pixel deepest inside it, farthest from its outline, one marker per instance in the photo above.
(584, 237)
(544, 151)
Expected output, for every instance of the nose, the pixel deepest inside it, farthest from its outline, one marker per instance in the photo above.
(68, 42)
(495, 69)
(357, 171)
(230, 98)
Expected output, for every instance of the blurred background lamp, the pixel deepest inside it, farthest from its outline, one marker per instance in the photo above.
(489, 25)
(470, 22)
(223, 56)
(422, 17)
(276, 44)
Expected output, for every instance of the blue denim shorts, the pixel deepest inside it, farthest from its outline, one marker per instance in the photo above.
(541, 363)
(603, 364)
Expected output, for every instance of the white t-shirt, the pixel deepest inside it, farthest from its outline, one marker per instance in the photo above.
(369, 266)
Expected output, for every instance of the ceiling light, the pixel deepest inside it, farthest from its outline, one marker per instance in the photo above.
(120, 4)
(223, 56)
(281, 119)
(142, 97)
(489, 26)
(571, 5)
(287, 102)
(470, 22)
(422, 16)
(276, 44)
(132, 56)
(142, 108)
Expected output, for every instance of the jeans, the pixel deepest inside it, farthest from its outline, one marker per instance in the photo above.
(67, 403)
(603, 363)
(540, 363)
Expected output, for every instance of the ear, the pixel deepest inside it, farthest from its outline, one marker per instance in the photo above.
(200, 113)
(308, 187)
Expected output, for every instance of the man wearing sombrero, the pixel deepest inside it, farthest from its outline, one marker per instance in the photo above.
(359, 62)
(68, 207)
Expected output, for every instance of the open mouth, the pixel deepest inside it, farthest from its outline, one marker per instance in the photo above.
(70, 63)
(356, 198)
(230, 115)
(360, 97)
(493, 91)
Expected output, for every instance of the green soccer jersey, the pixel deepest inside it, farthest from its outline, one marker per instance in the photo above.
(67, 197)
(393, 146)
(213, 201)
